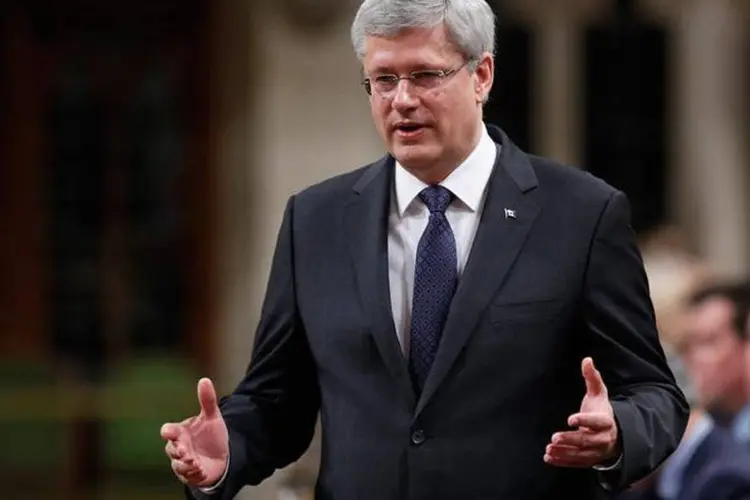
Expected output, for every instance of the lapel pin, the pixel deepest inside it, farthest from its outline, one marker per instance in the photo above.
(510, 214)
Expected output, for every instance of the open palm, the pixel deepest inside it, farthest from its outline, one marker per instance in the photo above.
(594, 441)
(199, 446)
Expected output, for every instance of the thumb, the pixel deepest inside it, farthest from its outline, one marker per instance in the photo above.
(594, 383)
(207, 398)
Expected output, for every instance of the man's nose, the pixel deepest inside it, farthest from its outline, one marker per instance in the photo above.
(404, 96)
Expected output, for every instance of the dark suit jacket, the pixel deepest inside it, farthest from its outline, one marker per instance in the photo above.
(719, 469)
(560, 281)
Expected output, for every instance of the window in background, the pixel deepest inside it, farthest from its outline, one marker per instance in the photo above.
(510, 101)
(110, 137)
(625, 132)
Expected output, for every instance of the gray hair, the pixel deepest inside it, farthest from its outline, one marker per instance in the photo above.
(470, 23)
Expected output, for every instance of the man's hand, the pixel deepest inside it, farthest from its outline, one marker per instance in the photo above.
(199, 446)
(594, 441)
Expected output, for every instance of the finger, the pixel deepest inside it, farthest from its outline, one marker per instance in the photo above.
(571, 452)
(196, 478)
(594, 383)
(207, 398)
(173, 451)
(171, 431)
(177, 451)
(568, 463)
(195, 475)
(593, 421)
(579, 440)
(184, 469)
(192, 479)
(569, 456)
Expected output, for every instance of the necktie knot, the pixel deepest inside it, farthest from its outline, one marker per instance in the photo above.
(437, 198)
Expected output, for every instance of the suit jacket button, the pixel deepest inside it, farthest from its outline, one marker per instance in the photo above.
(418, 437)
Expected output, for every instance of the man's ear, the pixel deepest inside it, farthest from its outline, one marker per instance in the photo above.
(485, 75)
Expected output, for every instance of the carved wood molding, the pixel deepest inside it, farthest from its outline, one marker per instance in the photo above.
(538, 11)
(673, 10)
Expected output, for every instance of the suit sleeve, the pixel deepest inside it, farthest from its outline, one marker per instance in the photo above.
(272, 413)
(621, 336)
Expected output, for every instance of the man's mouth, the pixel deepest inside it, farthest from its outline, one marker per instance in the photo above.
(409, 130)
(409, 127)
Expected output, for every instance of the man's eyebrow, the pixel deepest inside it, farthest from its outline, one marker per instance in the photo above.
(381, 69)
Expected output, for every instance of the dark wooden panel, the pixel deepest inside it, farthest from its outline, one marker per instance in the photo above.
(626, 109)
(510, 104)
(21, 260)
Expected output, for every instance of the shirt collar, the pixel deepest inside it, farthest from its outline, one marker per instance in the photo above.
(741, 425)
(467, 182)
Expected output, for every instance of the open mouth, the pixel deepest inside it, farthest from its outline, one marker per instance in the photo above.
(409, 129)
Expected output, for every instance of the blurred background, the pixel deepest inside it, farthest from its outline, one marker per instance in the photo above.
(147, 148)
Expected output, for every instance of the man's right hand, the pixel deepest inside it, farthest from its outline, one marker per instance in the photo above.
(199, 446)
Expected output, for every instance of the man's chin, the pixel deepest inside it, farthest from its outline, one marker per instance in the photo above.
(414, 156)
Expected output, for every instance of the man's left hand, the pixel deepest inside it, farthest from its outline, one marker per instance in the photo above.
(594, 442)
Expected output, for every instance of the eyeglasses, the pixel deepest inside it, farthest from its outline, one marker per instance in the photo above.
(385, 85)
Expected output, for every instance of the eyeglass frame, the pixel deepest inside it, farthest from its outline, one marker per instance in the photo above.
(441, 74)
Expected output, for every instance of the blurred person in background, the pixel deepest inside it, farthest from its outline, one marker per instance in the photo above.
(709, 464)
(715, 353)
(444, 307)
(674, 273)
(741, 423)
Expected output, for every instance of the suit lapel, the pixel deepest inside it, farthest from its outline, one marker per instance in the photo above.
(366, 227)
(498, 241)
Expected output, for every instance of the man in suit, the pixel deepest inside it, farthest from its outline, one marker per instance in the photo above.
(709, 464)
(741, 422)
(714, 345)
(443, 307)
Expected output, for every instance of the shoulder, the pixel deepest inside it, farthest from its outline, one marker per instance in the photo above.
(336, 187)
(575, 198)
(571, 183)
(331, 197)
(553, 181)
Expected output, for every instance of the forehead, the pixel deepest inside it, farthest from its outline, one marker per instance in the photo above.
(711, 316)
(410, 48)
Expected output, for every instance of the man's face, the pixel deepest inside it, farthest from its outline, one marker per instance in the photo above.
(447, 116)
(715, 356)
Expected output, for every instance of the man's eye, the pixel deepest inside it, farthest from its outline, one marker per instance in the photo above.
(422, 77)
(386, 79)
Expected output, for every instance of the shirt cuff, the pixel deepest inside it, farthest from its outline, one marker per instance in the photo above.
(614, 466)
(603, 469)
(219, 483)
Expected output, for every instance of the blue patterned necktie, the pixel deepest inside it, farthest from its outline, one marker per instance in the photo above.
(435, 275)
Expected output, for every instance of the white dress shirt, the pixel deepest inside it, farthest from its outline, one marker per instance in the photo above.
(409, 216)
